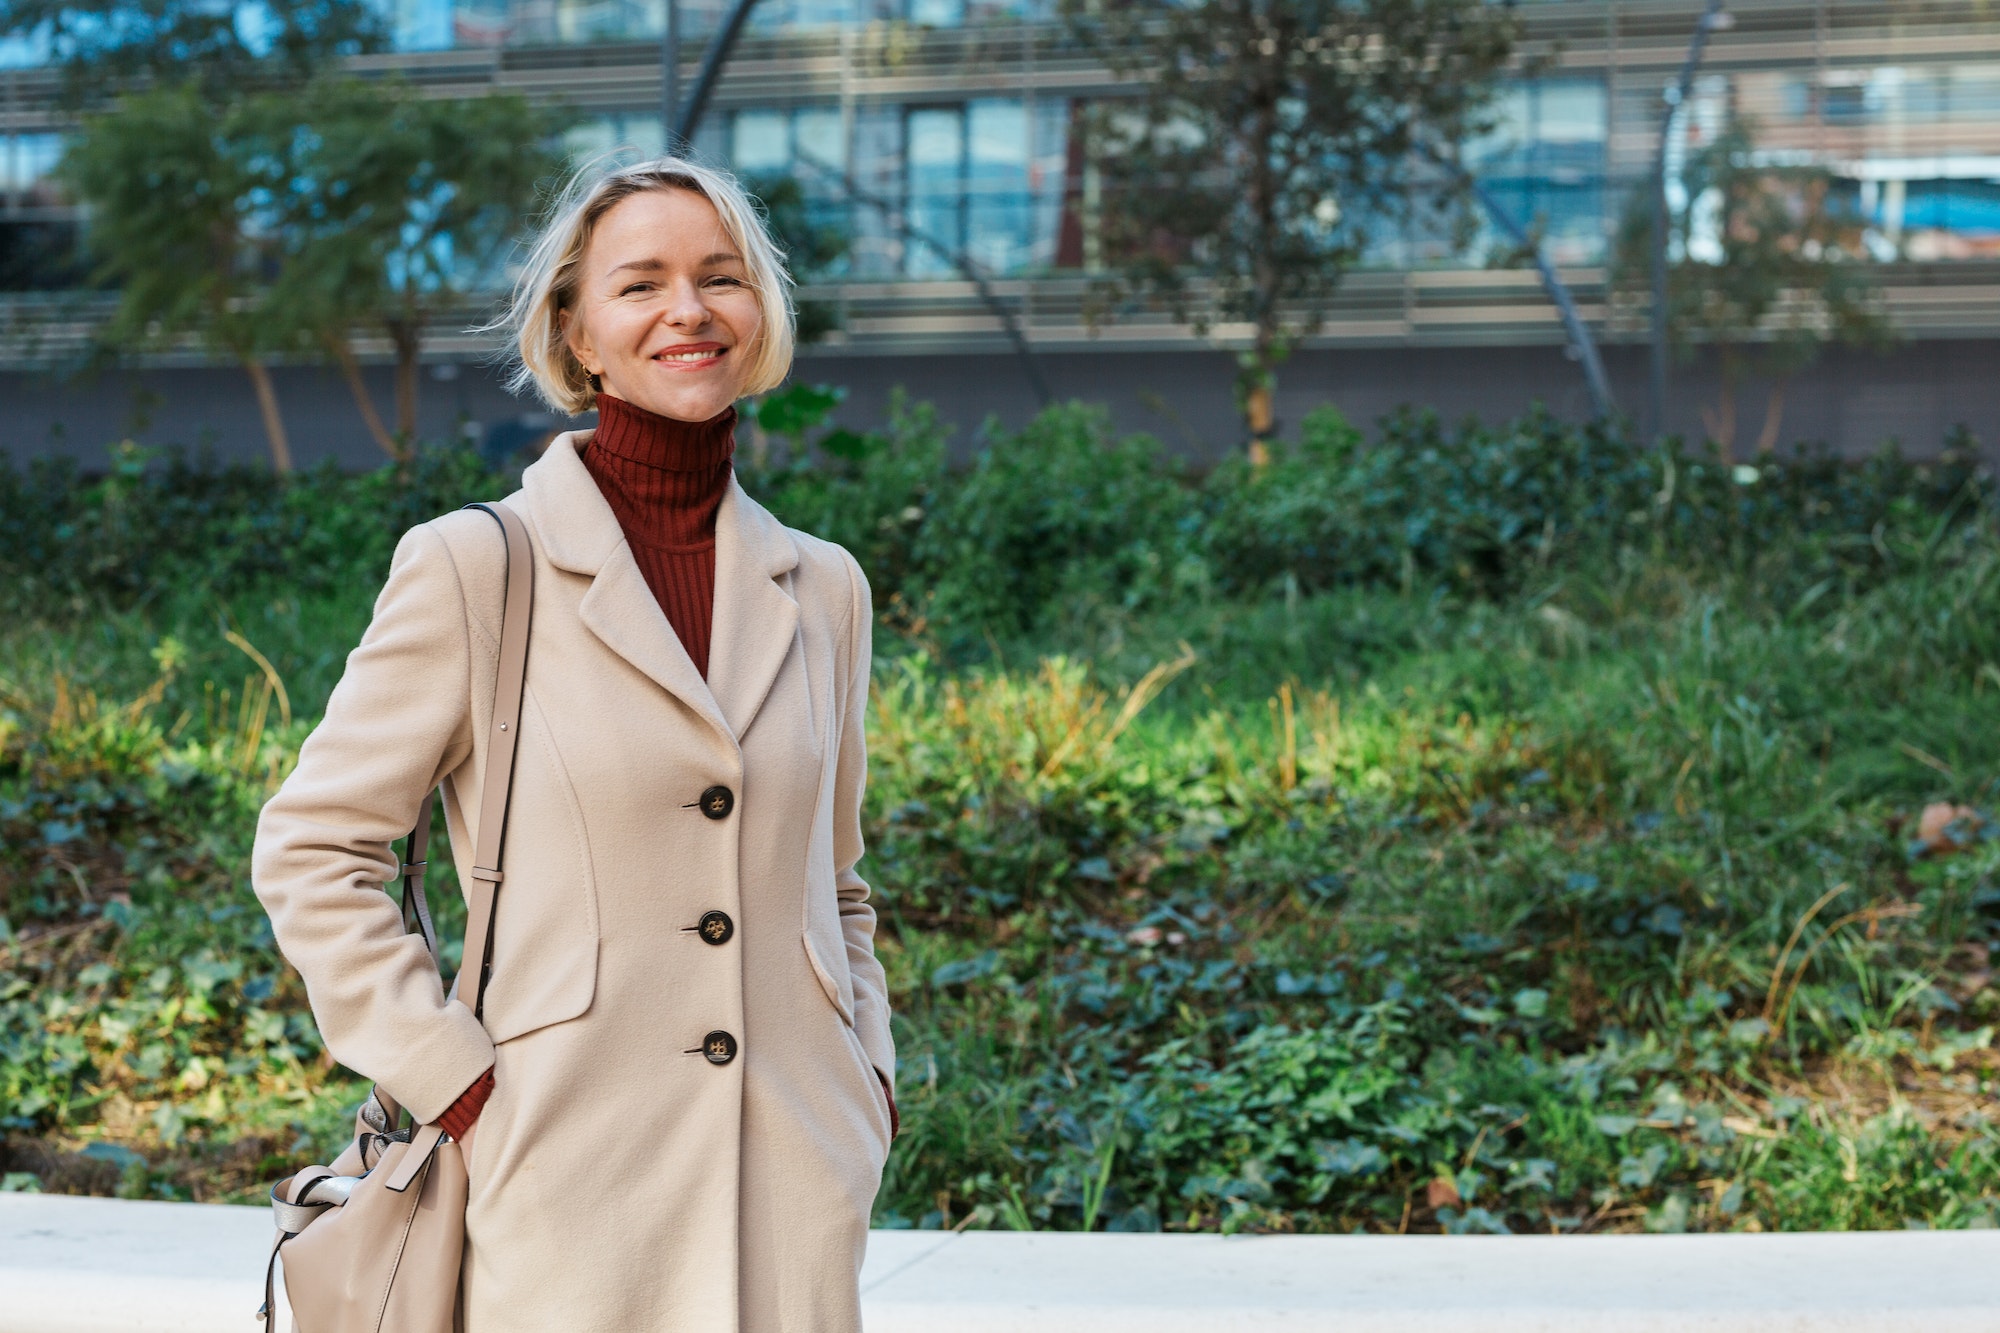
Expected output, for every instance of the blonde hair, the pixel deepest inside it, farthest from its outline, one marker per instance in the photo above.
(549, 278)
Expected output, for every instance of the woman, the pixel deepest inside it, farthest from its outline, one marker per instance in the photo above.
(676, 1110)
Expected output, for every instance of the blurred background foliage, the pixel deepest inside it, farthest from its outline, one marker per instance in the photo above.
(1441, 828)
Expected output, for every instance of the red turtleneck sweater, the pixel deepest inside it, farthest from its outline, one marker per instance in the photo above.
(664, 479)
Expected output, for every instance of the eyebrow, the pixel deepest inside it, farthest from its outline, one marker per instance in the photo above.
(654, 265)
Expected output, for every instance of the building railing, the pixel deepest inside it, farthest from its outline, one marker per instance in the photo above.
(58, 332)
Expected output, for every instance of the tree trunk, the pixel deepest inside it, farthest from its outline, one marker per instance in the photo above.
(1258, 378)
(1774, 415)
(1257, 413)
(274, 424)
(1721, 423)
(350, 370)
(408, 336)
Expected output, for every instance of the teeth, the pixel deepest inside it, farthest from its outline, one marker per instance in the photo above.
(684, 356)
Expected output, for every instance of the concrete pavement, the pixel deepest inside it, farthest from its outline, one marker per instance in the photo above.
(73, 1265)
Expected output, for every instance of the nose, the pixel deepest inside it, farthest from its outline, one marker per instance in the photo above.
(685, 310)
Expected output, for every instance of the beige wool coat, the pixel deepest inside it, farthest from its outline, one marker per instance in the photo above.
(620, 1179)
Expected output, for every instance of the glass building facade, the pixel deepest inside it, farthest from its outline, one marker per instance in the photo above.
(929, 127)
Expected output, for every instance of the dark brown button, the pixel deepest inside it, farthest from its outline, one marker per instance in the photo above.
(718, 1047)
(716, 927)
(717, 802)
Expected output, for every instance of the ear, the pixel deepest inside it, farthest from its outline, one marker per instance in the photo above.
(578, 339)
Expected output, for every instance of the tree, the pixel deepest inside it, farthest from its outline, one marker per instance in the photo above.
(292, 219)
(103, 45)
(177, 219)
(1768, 270)
(1250, 166)
(394, 207)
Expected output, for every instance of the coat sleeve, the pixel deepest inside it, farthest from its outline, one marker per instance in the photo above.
(399, 720)
(857, 916)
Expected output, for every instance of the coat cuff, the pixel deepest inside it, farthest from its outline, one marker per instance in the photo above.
(432, 1075)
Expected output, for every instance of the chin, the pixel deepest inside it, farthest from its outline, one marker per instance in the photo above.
(703, 406)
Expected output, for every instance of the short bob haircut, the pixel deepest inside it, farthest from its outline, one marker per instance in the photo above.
(549, 279)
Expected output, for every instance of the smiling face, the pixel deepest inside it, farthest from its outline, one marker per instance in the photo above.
(664, 313)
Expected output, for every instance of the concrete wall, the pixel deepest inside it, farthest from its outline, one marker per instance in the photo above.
(42, 414)
(1852, 401)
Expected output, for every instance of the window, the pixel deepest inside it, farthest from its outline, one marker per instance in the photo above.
(808, 144)
(26, 161)
(935, 186)
(999, 231)
(1544, 163)
(985, 177)
(761, 141)
(422, 25)
(635, 133)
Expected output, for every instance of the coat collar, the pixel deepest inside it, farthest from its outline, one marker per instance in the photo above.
(756, 617)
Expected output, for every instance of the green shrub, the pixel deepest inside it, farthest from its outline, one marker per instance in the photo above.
(1063, 524)
(1060, 515)
(871, 493)
(160, 519)
(1480, 510)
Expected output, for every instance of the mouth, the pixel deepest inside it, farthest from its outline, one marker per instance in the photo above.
(691, 356)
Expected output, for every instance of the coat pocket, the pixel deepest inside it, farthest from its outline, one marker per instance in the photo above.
(544, 954)
(826, 943)
(829, 964)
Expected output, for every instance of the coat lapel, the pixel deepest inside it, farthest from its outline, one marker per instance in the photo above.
(756, 618)
(580, 534)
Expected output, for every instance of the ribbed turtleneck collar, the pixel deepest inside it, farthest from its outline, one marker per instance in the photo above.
(664, 479)
(650, 440)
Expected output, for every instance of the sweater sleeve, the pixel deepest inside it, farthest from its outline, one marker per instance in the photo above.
(399, 719)
(463, 1114)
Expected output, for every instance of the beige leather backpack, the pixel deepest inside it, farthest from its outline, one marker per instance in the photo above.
(372, 1243)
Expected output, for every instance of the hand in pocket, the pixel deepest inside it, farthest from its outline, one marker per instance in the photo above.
(889, 1093)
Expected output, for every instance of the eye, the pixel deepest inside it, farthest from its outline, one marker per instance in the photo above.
(724, 280)
(637, 287)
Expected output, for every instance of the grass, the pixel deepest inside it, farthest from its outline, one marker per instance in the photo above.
(1587, 899)
(1600, 919)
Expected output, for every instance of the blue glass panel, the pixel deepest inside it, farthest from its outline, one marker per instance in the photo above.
(423, 25)
(936, 186)
(877, 250)
(821, 134)
(760, 142)
(626, 135)
(999, 226)
(1544, 163)
(27, 159)
(1968, 207)
(25, 52)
